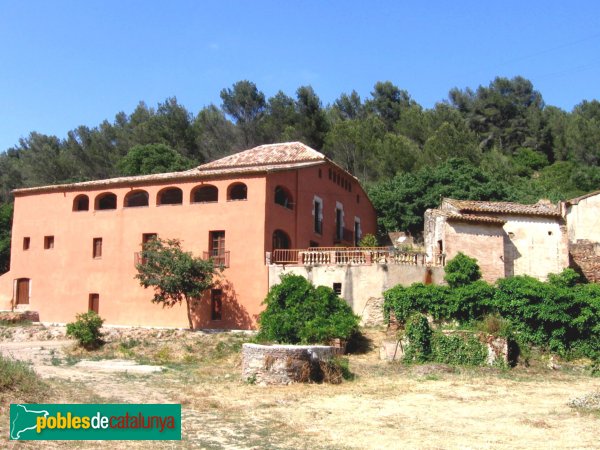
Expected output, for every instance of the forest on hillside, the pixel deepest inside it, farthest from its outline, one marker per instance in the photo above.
(495, 142)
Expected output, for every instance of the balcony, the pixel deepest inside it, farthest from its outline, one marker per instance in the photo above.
(221, 260)
(349, 256)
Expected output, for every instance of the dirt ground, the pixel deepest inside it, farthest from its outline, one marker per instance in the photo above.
(386, 406)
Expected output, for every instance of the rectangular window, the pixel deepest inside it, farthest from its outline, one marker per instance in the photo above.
(94, 303)
(97, 248)
(216, 304)
(48, 242)
(356, 232)
(337, 288)
(216, 247)
(26, 243)
(318, 220)
(148, 237)
(338, 224)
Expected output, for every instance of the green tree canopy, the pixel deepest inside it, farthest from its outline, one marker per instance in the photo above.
(175, 275)
(152, 158)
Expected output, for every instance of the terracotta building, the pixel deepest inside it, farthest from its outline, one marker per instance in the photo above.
(506, 238)
(74, 246)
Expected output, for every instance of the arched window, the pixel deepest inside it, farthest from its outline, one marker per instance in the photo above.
(281, 240)
(107, 200)
(205, 194)
(283, 197)
(81, 203)
(237, 191)
(136, 198)
(170, 196)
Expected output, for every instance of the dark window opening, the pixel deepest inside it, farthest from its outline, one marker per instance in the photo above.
(357, 198)
(170, 196)
(318, 220)
(440, 245)
(106, 201)
(205, 194)
(48, 242)
(313, 244)
(26, 243)
(356, 233)
(330, 174)
(216, 304)
(281, 240)
(81, 203)
(320, 174)
(97, 248)
(337, 288)
(237, 191)
(136, 198)
(146, 237)
(338, 224)
(549, 233)
(283, 197)
(94, 303)
(22, 294)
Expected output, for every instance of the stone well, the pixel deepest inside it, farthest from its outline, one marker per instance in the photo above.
(283, 364)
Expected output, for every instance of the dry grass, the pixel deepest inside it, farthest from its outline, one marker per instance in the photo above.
(386, 406)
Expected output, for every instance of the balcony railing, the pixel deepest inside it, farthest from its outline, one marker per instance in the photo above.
(221, 260)
(349, 255)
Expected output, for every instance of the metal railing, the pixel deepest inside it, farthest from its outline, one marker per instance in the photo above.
(221, 260)
(349, 255)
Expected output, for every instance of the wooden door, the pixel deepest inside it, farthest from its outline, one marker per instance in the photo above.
(23, 291)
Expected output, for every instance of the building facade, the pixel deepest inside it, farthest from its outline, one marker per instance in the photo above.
(506, 238)
(75, 246)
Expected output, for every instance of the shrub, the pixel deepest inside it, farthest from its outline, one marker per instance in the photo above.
(471, 301)
(458, 350)
(426, 299)
(461, 270)
(368, 240)
(297, 312)
(17, 376)
(86, 329)
(418, 334)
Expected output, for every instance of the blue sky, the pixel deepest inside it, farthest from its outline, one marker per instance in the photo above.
(70, 63)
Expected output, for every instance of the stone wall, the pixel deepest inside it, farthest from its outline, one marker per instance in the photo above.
(362, 286)
(19, 316)
(585, 257)
(283, 364)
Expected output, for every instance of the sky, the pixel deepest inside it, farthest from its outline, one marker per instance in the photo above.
(70, 63)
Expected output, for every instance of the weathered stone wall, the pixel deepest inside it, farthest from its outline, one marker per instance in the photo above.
(535, 246)
(484, 242)
(283, 364)
(583, 219)
(19, 316)
(362, 286)
(585, 257)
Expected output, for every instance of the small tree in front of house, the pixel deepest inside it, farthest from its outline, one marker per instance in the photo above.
(174, 274)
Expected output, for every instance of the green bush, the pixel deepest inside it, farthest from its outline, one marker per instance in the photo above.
(458, 350)
(470, 302)
(17, 376)
(461, 270)
(418, 334)
(368, 240)
(297, 312)
(427, 299)
(86, 329)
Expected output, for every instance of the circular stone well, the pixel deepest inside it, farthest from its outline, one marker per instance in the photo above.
(284, 364)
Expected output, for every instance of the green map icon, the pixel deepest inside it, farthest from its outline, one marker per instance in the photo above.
(23, 420)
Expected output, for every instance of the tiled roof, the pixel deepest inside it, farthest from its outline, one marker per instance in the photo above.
(473, 218)
(541, 208)
(575, 201)
(461, 217)
(266, 155)
(265, 158)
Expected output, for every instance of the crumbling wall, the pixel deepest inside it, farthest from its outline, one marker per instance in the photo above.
(585, 258)
(283, 364)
